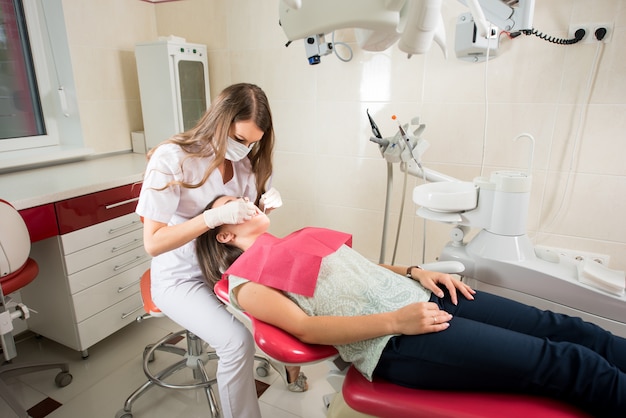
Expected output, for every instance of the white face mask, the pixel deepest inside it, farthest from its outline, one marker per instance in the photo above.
(236, 151)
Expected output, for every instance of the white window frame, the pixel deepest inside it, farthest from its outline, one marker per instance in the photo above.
(53, 68)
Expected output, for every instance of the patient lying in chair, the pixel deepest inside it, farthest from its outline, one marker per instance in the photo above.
(409, 326)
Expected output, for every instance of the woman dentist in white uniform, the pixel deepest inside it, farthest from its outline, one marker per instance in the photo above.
(229, 152)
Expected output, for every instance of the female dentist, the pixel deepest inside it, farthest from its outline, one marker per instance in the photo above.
(229, 152)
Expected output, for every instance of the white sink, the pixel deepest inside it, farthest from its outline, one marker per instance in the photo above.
(446, 196)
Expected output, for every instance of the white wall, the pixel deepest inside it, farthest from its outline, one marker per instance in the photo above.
(327, 171)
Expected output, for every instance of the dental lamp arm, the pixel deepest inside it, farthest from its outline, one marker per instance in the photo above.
(294, 4)
(378, 23)
(501, 15)
(483, 27)
(423, 23)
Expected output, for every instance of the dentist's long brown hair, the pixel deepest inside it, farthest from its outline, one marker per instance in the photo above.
(236, 103)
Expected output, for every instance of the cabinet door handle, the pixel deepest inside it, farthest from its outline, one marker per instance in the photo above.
(128, 244)
(126, 315)
(128, 263)
(121, 289)
(119, 228)
(123, 202)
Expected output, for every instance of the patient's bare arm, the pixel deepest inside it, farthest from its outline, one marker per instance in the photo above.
(272, 306)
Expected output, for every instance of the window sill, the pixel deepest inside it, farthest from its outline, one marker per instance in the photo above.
(11, 161)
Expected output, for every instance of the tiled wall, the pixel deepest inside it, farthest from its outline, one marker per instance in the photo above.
(571, 99)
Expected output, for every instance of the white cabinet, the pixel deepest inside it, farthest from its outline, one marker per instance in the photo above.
(174, 86)
(88, 285)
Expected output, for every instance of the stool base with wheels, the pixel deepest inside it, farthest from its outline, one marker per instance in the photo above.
(62, 379)
(194, 357)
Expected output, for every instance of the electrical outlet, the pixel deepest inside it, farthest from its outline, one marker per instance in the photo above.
(590, 31)
(577, 255)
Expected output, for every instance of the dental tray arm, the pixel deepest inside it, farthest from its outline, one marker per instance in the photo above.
(426, 173)
(450, 267)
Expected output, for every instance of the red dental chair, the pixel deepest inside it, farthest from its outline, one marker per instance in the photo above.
(17, 270)
(383, 399)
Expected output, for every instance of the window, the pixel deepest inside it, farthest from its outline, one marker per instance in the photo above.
(39, 121)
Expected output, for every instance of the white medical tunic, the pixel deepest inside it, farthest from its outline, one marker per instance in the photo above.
(176, 204)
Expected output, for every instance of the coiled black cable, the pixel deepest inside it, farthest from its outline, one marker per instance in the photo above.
(578, 36)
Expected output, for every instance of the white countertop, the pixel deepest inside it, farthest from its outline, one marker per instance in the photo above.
(38, 186)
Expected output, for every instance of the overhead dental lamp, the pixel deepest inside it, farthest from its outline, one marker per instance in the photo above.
(413, 24)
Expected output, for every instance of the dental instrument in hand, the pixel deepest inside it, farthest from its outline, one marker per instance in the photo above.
(271, 198)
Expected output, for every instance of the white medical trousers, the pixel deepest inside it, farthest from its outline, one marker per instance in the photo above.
(193, 305)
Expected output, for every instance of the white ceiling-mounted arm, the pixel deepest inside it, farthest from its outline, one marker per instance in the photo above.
(294, 4)
(315, 17)
(378, 23)
(420, 24)
(502, 14)
(483, 27)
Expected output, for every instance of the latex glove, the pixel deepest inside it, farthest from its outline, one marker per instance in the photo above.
(271, 199)
(235, 212)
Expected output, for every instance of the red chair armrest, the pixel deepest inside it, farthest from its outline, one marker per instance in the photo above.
(276, 343)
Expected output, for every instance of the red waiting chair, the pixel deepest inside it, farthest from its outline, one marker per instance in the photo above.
(17, 270)
(386, 400)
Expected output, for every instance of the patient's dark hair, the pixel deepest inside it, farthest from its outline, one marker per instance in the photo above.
(213, 256)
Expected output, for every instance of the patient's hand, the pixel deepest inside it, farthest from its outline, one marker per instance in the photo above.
(420, 318)
(432, 279)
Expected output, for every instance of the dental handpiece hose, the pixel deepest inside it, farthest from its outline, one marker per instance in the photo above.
(377, 138)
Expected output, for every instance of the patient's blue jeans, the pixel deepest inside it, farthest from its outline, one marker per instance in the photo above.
(496, 344)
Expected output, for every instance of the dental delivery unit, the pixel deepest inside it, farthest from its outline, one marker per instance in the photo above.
(500, 258)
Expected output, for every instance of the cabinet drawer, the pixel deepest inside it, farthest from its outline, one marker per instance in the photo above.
(105, 323)
(86, 237)
(108, 292)
(41, 222)
(116, 247)
(97, 273)
(90, 209)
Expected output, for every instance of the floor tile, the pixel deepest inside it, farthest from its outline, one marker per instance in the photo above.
(114, 369)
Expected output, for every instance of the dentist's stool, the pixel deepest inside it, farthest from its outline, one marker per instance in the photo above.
(360, 398)
(17, 270)
(194, 358)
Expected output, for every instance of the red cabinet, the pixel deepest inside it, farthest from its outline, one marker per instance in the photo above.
(41, 222)
(83, 211)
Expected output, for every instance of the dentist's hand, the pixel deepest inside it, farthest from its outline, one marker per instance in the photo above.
(270, 200)
(235, 212)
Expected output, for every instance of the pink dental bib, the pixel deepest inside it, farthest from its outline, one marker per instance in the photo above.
(291, 263)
